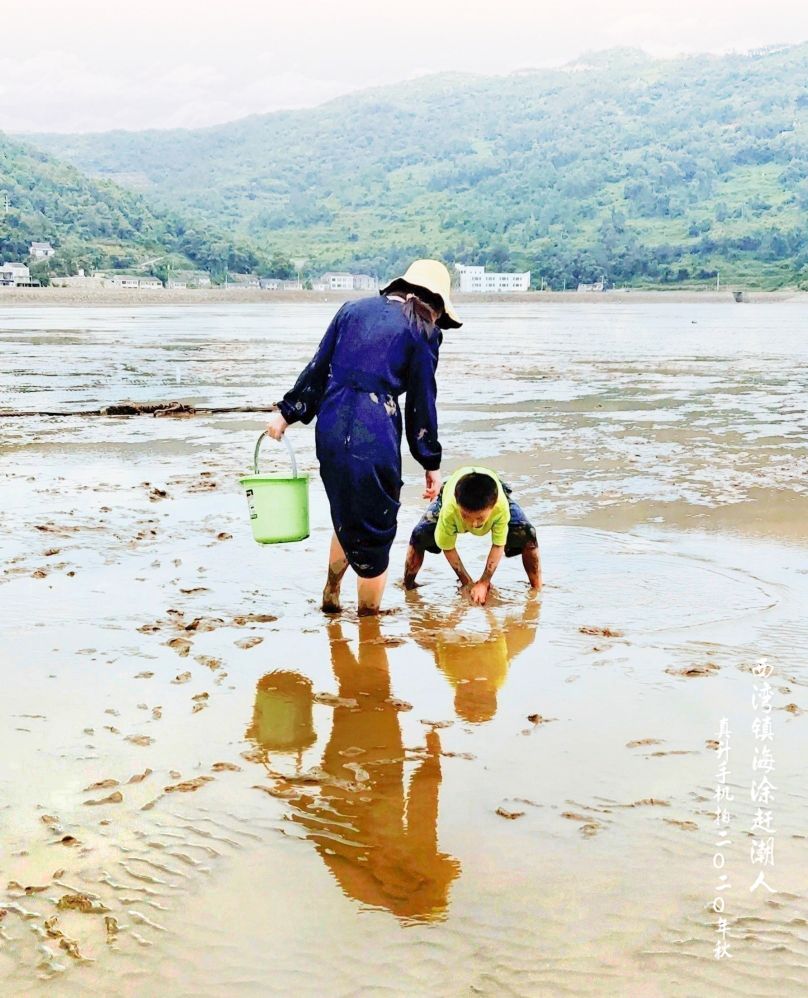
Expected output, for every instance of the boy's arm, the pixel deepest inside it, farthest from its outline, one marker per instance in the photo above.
(457, 565)
(479, 591)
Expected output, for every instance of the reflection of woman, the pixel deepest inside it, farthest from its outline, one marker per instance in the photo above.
(477, 667)
(379, 841)
(375, 350)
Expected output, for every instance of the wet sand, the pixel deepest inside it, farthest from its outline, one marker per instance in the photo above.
(450, 800)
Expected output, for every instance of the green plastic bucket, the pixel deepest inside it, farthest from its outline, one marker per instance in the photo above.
(278, 504)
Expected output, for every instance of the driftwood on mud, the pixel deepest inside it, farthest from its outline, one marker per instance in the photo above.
(144, 409)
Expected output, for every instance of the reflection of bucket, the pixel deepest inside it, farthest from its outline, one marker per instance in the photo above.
(282, 716)
(278, 504)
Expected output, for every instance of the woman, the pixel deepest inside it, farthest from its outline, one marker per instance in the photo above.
(375, 350)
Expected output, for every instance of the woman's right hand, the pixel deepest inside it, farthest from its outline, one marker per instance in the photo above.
(433, 484)
(277, 426)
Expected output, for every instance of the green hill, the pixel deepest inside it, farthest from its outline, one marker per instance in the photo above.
(94, 223)
(650, 171)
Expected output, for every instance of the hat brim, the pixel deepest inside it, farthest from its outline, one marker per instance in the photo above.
(448, 318)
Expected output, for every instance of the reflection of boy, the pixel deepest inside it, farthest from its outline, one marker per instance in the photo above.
(477, 667)
(475, 501)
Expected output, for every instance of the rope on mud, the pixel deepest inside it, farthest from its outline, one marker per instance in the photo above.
(144, 409)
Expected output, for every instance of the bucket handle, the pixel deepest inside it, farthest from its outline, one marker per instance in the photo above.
(288, 447)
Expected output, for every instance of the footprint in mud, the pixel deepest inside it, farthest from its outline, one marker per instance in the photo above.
(687, 826)
(504, 812)
(705, 669)
(603, 632)
(247, 643)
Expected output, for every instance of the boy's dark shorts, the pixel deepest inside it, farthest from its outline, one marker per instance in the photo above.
(521, 531)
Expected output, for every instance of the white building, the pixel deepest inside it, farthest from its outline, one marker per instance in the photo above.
(335, 280)
(15, 275)
(280, 284)
(475, 279)
(40, 251)
(132, 282)
(243, 281)
(122, 281)
(591, 287)
(190, 279)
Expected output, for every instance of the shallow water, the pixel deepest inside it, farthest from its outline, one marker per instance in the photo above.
(661, 450)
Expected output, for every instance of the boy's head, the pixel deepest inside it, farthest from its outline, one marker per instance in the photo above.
(476, 495)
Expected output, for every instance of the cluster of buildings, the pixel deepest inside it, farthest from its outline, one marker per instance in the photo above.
(331, 281)
(475, 280)
(99, 279)
(471, 279)
(18, 275)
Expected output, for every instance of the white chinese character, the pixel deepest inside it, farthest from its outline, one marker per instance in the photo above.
(762, 851)
(762, 792)
(763, 821)
(763, 759)
(762, 697)
(760, 882)
(721, 949)
(762, 729)
(762, 668)
(722, 816)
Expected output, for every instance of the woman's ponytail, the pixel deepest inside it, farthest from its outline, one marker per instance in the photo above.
(420, 314)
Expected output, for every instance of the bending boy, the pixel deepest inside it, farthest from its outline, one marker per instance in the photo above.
(475, 501)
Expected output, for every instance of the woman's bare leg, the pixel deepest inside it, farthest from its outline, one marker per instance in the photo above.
(337, 567)
(370, 592)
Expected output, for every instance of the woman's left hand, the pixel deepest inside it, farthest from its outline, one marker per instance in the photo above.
(433, 484)
(277, 426)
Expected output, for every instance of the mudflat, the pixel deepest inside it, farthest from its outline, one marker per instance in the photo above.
(209, 788)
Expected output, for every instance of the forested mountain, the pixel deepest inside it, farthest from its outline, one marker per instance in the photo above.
(94, 223)
(646, 170)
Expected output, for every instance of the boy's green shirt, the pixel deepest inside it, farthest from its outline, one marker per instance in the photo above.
(450, 522)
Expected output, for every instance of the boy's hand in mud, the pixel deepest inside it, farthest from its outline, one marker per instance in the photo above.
(433, 484)
(277, 426)
(479, 592)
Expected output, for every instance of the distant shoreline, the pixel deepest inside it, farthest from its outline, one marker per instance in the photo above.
(220, 296)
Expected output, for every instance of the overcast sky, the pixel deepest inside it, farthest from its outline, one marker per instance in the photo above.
(95, 65)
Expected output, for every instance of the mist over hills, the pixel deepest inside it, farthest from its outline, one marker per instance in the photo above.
(648, 171)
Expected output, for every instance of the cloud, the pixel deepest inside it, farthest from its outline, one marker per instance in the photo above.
(178, 64)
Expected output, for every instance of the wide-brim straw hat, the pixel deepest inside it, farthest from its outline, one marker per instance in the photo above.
(433, 277)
